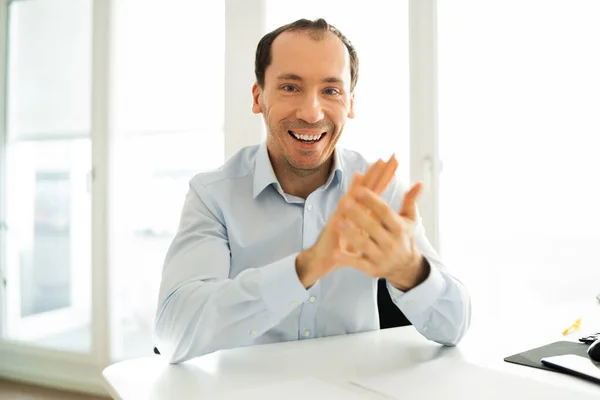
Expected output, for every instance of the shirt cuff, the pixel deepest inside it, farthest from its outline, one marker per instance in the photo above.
(421, 297)
(280, 286)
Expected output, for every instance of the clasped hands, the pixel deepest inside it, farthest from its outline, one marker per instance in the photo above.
(365, 233)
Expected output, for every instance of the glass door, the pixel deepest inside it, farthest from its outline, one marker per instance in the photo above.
(167, 119)
(47, 201)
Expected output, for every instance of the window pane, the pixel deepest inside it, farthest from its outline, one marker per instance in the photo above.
(49, 67)
(48, 242)
(168, 65)
(519, 100)
(379, 31)
(168, 118)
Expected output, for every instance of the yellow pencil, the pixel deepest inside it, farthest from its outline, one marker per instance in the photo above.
(576, 325)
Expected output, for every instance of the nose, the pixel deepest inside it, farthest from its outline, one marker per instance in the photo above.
(310, 110)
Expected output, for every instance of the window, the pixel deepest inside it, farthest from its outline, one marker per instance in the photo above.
(381, 126)
(519, 100)
(168, 106)
(48, 162)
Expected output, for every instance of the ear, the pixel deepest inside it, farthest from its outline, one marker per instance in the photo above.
(351, 111)
(256, 93)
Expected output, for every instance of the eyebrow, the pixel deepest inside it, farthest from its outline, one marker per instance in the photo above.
(294, 77)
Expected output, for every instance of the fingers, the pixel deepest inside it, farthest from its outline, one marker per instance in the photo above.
(347, 246)
(362, 244)
(375, 203)
(409, 203)
(373, 173)
(379, 175)
(357, 261)
(359, 218)
(387, 175)
(357, 181)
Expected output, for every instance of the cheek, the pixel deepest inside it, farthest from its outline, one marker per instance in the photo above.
(338, 115)
(279, 111)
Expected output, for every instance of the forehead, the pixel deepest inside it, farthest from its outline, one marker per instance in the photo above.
(303, 55)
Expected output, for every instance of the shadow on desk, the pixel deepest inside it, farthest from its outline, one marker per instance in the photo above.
(390, 316)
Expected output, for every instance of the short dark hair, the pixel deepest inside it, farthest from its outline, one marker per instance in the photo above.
(317, 28)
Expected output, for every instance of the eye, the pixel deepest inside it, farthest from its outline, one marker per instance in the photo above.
(289, 88)
(331, 91)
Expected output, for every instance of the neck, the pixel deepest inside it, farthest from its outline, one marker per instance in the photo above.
(299, 182)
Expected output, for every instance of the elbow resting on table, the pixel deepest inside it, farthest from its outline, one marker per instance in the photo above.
(450, 337)
(457, 329)
(182, 332)
(172, 338)
(170, 343)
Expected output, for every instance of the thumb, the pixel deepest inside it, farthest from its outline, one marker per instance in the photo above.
(409, 203)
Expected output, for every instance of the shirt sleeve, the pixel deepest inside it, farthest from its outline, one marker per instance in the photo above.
(200, 309)
(440, 307)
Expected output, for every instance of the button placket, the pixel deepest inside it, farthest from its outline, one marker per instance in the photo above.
(308, 313)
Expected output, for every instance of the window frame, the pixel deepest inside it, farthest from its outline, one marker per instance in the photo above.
(3, 95)
(425, 163)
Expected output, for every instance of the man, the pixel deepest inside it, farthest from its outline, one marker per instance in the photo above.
(287, 239)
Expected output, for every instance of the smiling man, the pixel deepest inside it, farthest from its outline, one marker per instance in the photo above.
(287, 240)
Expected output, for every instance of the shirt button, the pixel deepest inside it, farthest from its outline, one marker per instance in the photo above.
(309, 207)
(292, 304)
(306, 333)
(425, 328)
(312, 299)
(252, 333)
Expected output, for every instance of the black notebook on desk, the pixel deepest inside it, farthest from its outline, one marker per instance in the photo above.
(531, 358)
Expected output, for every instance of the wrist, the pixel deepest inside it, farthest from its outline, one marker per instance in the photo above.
(418, 273)
(306, 269)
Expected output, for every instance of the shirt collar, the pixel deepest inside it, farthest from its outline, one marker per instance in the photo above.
(264, 175)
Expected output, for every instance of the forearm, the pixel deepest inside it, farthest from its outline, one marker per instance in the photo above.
(439, 308)
(200, 317)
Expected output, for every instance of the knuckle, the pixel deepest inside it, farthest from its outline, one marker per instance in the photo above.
(381, 208)
(336, 255)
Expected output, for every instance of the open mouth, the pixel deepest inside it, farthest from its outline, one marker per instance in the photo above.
(307, 138)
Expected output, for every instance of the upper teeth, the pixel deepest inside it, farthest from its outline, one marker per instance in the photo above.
(307, 137)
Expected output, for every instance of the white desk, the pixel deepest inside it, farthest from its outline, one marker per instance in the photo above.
(338, 360)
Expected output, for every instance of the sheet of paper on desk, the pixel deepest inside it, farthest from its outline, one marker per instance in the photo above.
(441, 379)
(301, 389)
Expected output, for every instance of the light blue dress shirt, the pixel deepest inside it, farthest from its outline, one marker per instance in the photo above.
(230, 280)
